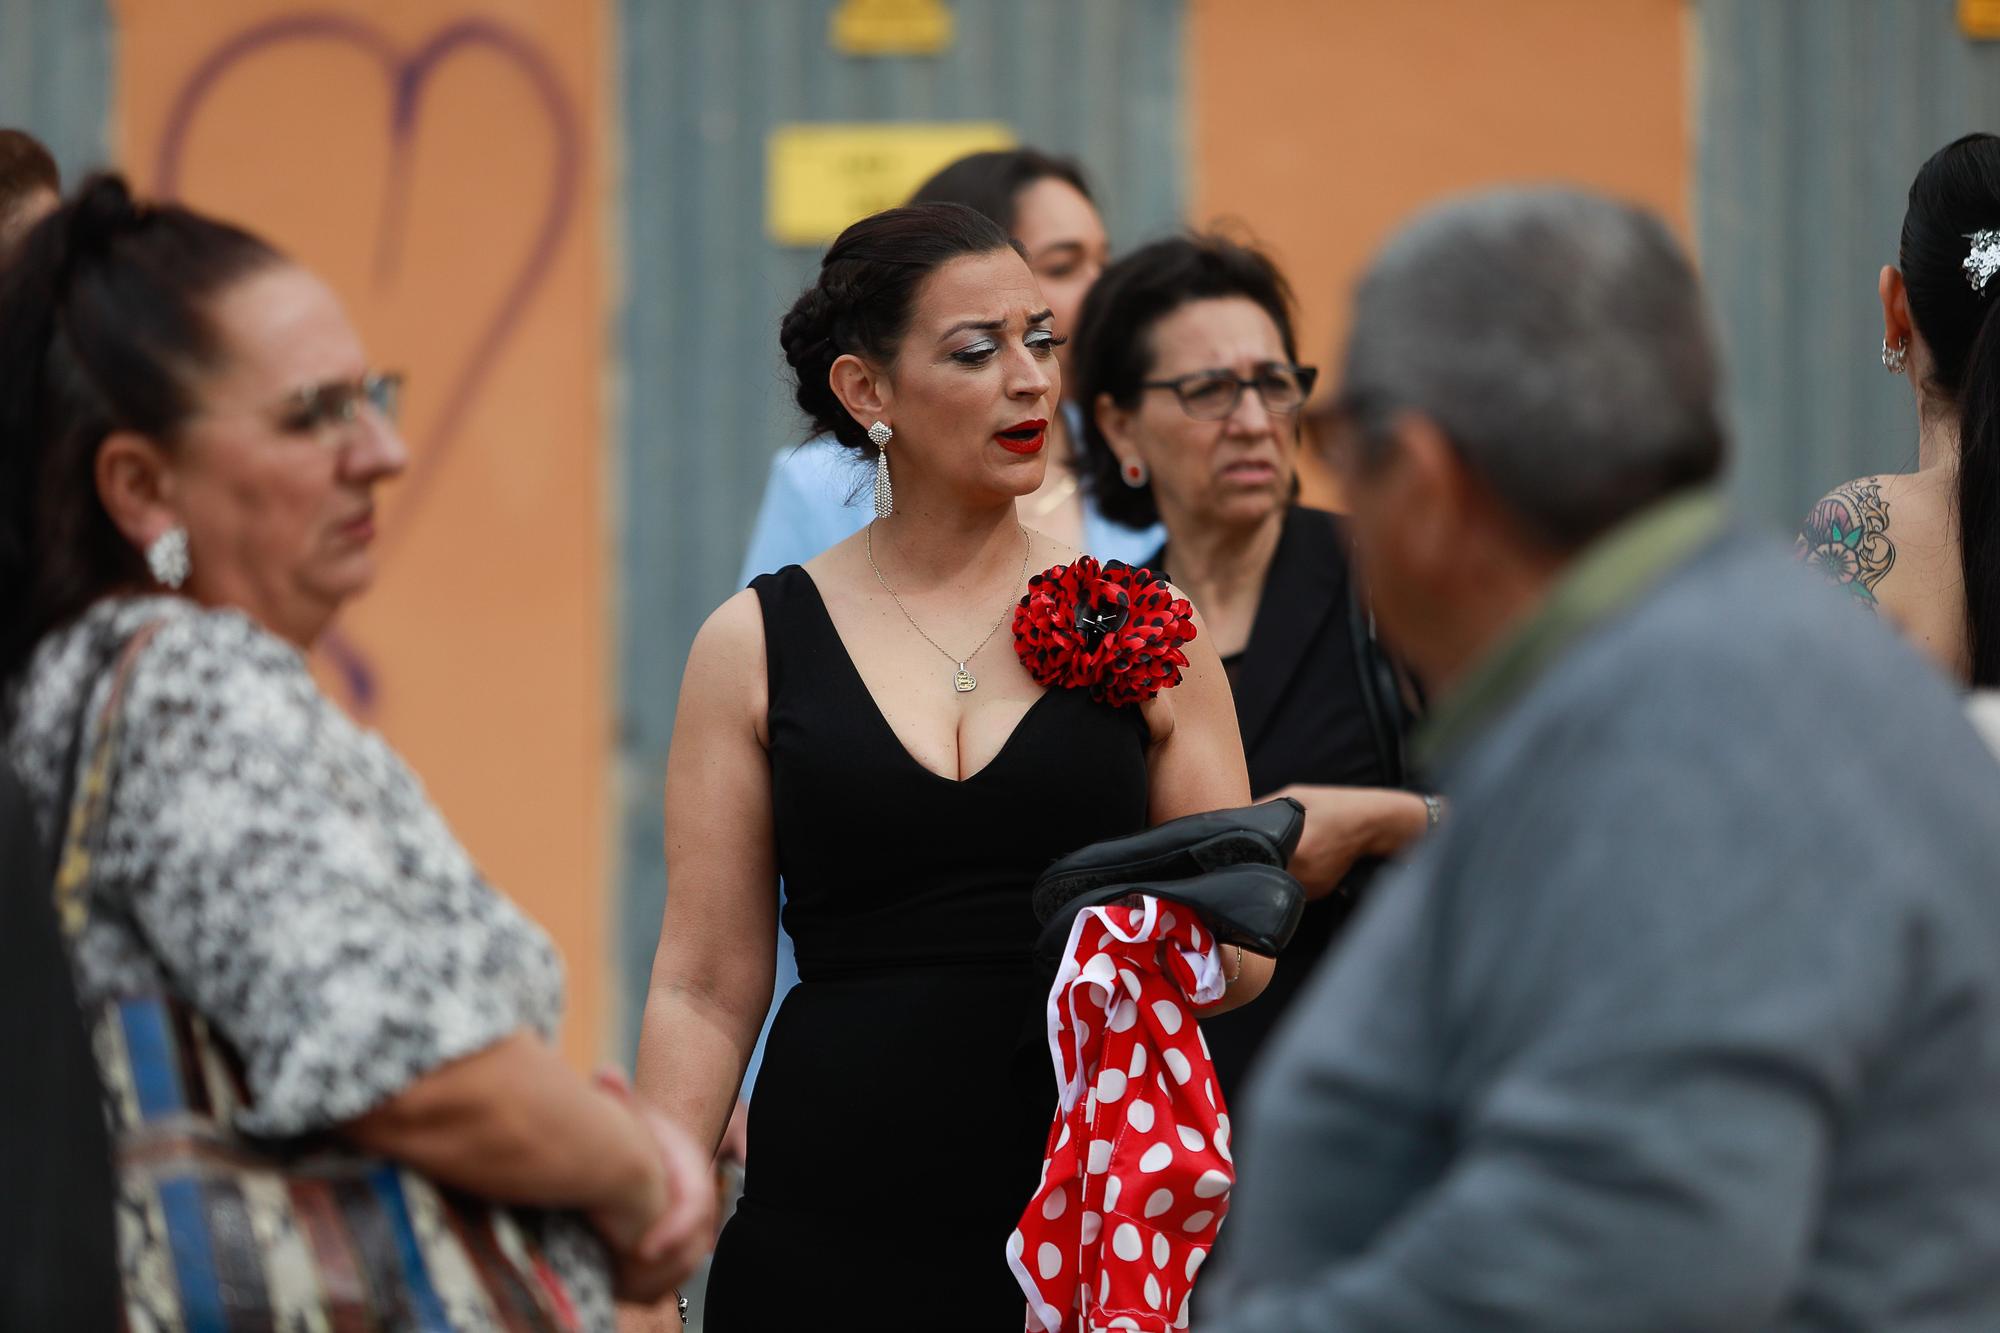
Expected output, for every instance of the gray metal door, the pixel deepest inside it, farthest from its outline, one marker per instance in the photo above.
(1814, 116)
(55, 78)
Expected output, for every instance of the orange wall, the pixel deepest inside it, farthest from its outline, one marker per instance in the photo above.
(1320, 124)
(486, 638)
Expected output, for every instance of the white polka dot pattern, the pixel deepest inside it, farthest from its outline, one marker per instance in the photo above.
(1131, 1197)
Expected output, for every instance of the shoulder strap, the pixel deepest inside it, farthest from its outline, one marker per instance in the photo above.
(772, 596)
(797, 628)
(1390, 716)
(87, 790)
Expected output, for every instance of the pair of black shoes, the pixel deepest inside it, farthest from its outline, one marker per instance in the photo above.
(1227, 865)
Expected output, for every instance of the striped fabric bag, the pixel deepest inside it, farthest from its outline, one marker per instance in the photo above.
(220, 1232)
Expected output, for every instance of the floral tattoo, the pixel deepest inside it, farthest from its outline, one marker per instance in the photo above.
(1846, 537)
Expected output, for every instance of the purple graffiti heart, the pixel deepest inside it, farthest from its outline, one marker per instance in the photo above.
(408, 74)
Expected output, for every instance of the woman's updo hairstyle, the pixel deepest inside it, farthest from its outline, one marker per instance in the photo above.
(104, 326)
(863, 300)
(1955, 195)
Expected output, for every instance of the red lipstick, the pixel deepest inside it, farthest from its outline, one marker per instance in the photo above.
(1023, 437)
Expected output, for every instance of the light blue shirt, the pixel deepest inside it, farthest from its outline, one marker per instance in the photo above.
(820, 494)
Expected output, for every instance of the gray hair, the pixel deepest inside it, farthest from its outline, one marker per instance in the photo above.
(1558, 339)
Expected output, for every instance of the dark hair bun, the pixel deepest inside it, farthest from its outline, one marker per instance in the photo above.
(101, 211)
(866, 292)
(808, 338)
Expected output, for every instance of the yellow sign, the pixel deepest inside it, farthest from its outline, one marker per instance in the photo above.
(819, 178)
(1979, 18)
(890, 27)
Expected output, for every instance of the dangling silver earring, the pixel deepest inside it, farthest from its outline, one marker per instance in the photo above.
(1894, 357)
(879, 435)
(167, 557)
(1135, 475)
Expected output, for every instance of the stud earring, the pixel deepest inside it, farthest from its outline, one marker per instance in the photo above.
(167, 557)
(1135, 474)
(879, 435)
(1894, 357)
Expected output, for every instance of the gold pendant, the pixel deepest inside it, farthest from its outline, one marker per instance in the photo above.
(963, 681)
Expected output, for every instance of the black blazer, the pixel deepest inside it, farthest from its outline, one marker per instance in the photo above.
(1302, 702)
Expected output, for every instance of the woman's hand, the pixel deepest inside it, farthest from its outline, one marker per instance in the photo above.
(1344, 824)
(663, 1231)
(684, 1234)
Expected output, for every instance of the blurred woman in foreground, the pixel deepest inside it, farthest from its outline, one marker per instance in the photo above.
(272, 927)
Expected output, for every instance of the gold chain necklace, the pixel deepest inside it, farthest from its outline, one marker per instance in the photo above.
(962, 680)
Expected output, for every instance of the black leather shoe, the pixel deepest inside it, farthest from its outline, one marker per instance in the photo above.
(1251, 905)
(1265, 834)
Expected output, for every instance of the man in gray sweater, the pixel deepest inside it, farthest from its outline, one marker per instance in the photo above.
(1688, 1015)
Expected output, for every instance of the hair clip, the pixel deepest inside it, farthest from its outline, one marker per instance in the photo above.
(1984, 261)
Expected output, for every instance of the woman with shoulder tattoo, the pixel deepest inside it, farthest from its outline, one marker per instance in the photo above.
(1924, 546)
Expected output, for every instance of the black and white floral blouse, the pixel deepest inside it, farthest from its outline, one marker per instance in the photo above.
(281, 869)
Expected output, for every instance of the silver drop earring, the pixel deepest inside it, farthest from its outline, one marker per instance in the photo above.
(879, 435)
(167, 557)
(1894, 357)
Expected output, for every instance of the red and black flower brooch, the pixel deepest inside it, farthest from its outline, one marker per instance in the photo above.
(1111, 629)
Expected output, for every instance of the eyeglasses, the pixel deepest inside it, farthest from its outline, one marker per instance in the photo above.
(338, 402)
(1211, 395)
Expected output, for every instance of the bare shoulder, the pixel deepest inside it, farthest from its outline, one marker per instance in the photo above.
(1204, 670)
(725, 665)
(1846, 535)
(733, 629)
(1197, 750)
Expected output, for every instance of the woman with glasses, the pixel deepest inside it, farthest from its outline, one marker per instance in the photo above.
(1188, 374)
(275, 934)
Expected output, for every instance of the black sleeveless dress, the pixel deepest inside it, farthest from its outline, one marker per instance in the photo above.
(906, 1093)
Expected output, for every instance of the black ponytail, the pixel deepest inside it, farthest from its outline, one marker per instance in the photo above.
(1979, 495)
(104, 325)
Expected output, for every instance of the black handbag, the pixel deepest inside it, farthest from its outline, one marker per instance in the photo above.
(1264, 834)
(1227, 865)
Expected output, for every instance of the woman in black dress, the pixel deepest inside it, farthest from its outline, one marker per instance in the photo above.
(1189, 377)
(862, 726)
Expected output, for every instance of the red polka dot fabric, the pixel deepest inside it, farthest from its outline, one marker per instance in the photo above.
(1138, 1171)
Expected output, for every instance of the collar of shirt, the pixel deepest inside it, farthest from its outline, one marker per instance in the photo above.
(1610, 575)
